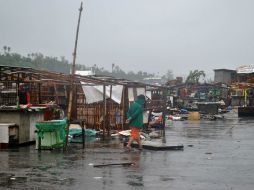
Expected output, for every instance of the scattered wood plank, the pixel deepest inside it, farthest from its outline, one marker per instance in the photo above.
(149, 145)
(113, 164)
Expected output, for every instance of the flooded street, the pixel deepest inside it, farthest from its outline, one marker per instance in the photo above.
(217, 155)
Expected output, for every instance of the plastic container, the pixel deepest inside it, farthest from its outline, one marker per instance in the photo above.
(194, 116)
(51, 134)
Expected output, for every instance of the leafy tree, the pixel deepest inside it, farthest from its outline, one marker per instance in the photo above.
(5, 48)
(39, 61)
(194, 76)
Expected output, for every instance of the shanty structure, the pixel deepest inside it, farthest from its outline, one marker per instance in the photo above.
(28, 96)
(100, 101)
(241, 82)
(185, 95)
(106, 101)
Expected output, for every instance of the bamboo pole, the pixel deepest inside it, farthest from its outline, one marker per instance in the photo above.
(73, 74)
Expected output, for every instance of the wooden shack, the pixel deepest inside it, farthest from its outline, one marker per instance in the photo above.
(100, 101)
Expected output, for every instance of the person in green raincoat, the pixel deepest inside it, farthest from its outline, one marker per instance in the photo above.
(135, 120)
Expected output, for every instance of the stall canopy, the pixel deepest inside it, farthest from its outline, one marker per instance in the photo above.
(94, 93)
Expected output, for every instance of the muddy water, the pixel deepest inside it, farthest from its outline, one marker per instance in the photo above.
(217, 155)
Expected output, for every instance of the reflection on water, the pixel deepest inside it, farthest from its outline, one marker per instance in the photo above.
(134, 179)
(227, 141)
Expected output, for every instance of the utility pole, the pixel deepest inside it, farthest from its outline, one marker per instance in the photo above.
(73, 75)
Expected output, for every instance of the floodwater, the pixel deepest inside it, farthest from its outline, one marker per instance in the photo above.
(217, 155)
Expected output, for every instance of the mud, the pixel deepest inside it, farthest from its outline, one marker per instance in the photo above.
(217, 155)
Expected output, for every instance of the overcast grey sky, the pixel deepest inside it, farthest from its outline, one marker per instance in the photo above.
(148, 35)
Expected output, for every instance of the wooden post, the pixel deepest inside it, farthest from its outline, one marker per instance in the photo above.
(39, 93)
(82, 123)
(110, 91)
(17, 91)
(123, 108)
(39, 142)
(164, 116)
(56, 94)
(104, 109)
(245, 97)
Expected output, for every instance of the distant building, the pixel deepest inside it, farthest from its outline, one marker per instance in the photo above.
(225, 76)
(245, 74)
(245, 69)
(85, 73)
(153, 80)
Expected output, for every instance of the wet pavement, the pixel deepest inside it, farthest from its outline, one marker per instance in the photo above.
(217, 155)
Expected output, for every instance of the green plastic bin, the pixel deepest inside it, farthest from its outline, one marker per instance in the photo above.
(51, 134)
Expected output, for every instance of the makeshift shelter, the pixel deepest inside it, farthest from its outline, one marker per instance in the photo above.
(100, 101)
(107, 102)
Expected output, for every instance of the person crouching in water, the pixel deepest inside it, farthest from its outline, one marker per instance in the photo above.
(135, 120)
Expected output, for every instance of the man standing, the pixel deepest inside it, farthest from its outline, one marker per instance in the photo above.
(135, 120)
